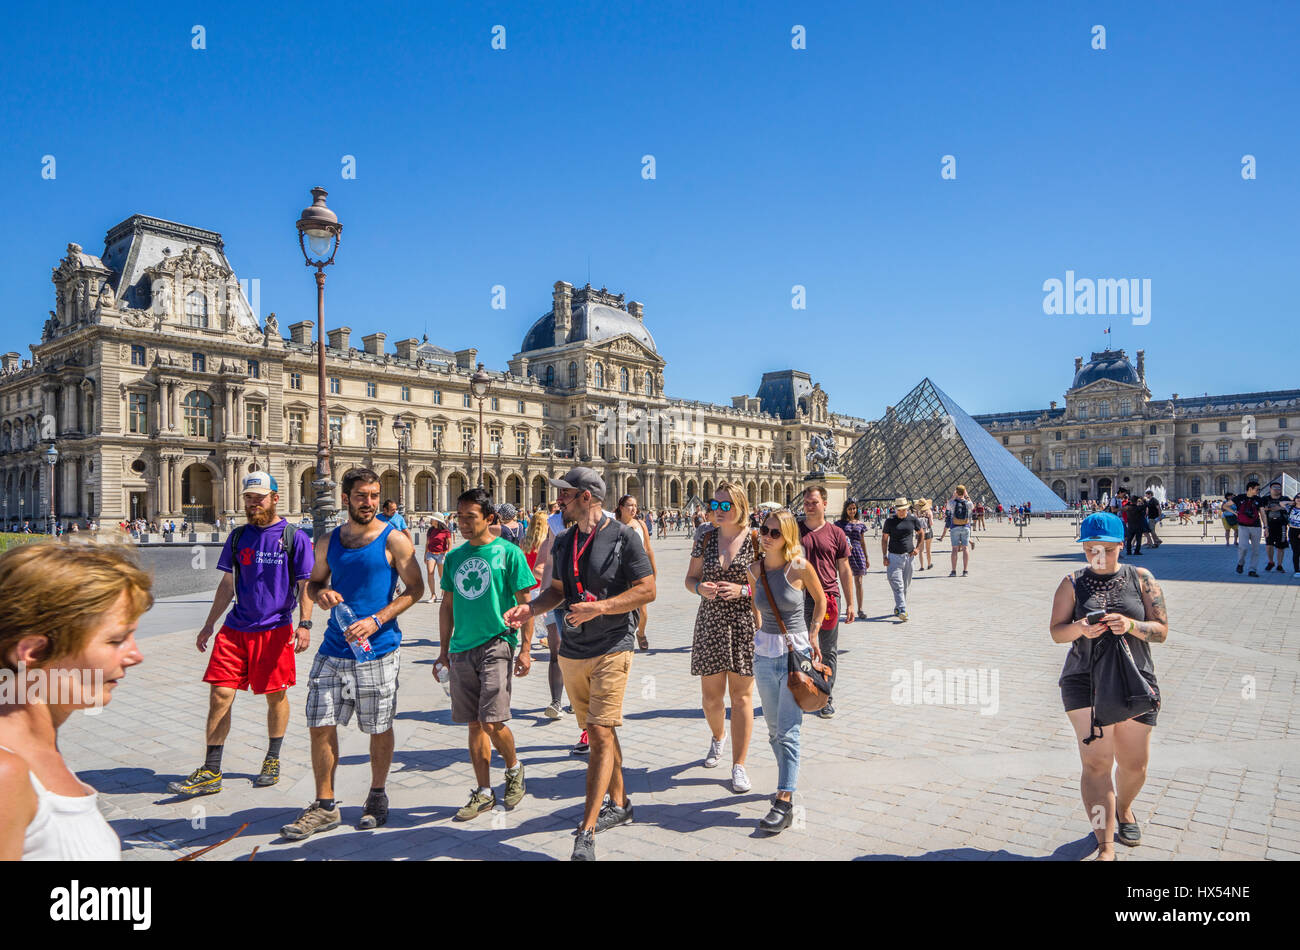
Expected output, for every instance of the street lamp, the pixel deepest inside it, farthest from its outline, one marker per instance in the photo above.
(52, 458)
(319, 233)
(402, 431)
(479, 385)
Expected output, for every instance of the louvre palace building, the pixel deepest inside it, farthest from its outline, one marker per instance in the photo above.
(159, 388)
(1111, 434)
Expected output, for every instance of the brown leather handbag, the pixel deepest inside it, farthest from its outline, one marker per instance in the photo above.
(808, 680)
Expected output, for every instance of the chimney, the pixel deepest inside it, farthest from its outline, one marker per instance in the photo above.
(1078, 363)
(519, 367)
(374, 343)
(10, 362)
(1053, 403)
(562, 307)
(406, 349)
(1142, 366)
(739, 402)
(300, 332)
(339, 338)
(465, 359)
(635, 309)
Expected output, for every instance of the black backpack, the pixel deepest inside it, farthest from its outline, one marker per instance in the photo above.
(286, 545)
(960, 510)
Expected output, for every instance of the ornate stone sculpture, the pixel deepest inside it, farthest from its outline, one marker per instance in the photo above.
(822, 453)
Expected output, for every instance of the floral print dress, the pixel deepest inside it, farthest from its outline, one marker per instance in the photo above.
(724, 629)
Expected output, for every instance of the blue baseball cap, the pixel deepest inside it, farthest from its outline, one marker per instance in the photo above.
(260, 483)
(1101, 526)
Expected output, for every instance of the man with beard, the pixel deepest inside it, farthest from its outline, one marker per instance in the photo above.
(361, 562)
(266, 563)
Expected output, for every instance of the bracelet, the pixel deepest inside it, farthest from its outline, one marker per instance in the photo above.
(1132, 625)
(375, 618)
(697, 588)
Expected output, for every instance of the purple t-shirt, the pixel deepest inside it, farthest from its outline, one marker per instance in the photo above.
(263, 598)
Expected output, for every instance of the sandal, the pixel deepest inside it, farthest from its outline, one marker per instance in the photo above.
(642, 642)
(1129, 833)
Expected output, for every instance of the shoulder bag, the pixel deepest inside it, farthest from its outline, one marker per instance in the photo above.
(808, 680)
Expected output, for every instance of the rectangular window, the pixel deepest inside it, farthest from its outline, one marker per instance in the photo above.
(547, 441)
(435, 432)
(1281, 422)
(437, 397)
(371, 389)
(521, 407)
(1126, 456)
(254, 369)
(1223, 427)
(372, 432)
(1252, 452)
(199, 362)
(496, 404)
(1223, 453)
(573, 445)
(295, 380)
(406, 394)
(1029, 439)
(137, 356)
(1284, 451)
(335, 386)
(1153, 455)
(1083, 458)
(1028, 459)
(1196, 427)
(468, 401)
(252, 421)
(521, 443)
(1195, 454)
(466, 439)
(1103, 457)
(494, 441)
(336, 429)
(1058, 461)
(297, 424)
(138, 413)
(1058, 437)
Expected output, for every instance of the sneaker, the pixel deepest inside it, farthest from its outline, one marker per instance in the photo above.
(1239, 568)
(902, 615)
(739, 780)
(611, 815)
(583, 746)
(952, 573)
(477, 804)
(1268, 567)
(514, 786)
(1252, 574)
(715, 752)
(827, 712)
(552, 711)
(270, 773)
(1296, 574)
(202, 781)
(964, 573)
(375, 813)
(584, 846)
(313, 819)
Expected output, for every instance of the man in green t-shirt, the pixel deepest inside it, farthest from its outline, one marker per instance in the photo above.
(485, 577)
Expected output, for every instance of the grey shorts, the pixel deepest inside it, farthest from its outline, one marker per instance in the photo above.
(960, 536)
(480, 682)
(430, 556)
(336, 687)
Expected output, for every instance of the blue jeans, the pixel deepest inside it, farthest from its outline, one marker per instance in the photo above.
(783, 716)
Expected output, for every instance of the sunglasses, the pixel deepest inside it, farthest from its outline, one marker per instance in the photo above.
(769, 532)
(719, 506)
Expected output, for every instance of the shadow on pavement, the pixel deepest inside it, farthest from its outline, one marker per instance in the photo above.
(1073, 851)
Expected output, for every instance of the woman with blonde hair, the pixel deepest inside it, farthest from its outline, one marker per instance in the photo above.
(785, 575)
(722, 649)
(627, 513)
(925, 514)
(68, 615)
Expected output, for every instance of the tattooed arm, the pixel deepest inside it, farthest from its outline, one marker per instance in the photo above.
(1156, 628)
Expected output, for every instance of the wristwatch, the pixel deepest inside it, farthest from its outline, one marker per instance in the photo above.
(305, 624)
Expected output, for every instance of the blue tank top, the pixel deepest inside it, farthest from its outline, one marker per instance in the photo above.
(367, 582)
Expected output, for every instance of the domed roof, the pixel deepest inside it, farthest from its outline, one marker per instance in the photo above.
(1108, 364)
(592, 322)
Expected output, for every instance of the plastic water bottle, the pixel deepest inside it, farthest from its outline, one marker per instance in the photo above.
(443, 675)
(344, 616)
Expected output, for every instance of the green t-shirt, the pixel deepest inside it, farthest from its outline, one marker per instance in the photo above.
(483, 582)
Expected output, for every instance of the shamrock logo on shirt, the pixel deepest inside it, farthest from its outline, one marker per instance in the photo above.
(471, 578)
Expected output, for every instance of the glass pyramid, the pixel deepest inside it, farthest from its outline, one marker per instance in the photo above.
(927, 445)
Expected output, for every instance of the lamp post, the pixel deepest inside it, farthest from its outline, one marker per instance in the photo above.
(479, 385)
(52, 458)
(402, 431)
(319, 233)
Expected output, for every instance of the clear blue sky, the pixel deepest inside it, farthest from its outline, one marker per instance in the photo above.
(775, 167)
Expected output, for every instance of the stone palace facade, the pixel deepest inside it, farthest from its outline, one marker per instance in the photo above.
(159, 387)
(1111, 434)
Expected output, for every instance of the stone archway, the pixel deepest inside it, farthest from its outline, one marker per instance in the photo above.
(707, 493)
(539, 492)
(1058, 489)
(751, 492)
(515, 490)
(389, 483)
(674, 494)
(456, 486)
(490, 486)
(424, 500)
(692, 489)
(197, 494)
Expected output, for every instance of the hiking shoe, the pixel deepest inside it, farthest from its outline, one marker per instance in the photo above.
(583, 746)
(514, 786)
(552, 711)
(739, 779)
(202, 781)
(313, 819)
(376, 811)
(477, 804)
(902, 616)
(827, 712)
(715, 752)
(611, 815)
(584, 846)
(270, 773)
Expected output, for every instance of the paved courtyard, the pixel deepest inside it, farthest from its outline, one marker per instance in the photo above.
(992, 777)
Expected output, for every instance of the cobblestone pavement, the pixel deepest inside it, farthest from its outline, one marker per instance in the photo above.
(955, 781)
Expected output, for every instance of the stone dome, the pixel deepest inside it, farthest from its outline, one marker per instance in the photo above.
(1108, 364)
(592, 322)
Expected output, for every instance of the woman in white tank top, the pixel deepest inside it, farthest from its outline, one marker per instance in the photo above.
(68, 614)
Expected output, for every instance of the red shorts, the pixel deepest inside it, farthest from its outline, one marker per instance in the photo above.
(261, 661)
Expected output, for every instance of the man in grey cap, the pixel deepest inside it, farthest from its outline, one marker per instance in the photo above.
(600, 570)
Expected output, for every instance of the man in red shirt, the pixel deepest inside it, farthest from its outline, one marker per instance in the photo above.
(827, 549)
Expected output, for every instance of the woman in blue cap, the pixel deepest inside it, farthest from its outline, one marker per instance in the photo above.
(1134, 608)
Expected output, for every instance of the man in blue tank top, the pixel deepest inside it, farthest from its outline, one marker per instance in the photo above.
(359, 565)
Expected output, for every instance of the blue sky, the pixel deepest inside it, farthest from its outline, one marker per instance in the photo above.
(775, 167)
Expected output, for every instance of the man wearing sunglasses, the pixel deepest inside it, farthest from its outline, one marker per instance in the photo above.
(827, 549)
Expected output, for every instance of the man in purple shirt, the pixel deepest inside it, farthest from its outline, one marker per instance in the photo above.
(267, 563)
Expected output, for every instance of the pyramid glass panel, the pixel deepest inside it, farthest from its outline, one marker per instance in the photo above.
(927, 445)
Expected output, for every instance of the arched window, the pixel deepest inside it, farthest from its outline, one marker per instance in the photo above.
(1223, 484)
(1196, 488)
(649, 385)
(623, 379)
(573, 375)
(600, 376)
(550, 376)
(196, 309)
(197, 409)
(1104, 409)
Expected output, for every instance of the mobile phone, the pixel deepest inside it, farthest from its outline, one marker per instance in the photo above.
(1094, 616)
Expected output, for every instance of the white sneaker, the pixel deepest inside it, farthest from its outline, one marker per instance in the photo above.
(739, 780)
(715, 752)
(552, 711)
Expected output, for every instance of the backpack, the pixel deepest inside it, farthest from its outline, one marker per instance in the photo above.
(286, 545)
(960, 511)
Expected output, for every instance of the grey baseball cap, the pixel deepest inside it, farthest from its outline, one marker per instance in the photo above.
(507, 512)
(581, 479)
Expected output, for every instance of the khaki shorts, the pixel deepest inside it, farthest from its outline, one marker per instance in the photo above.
(480, 682)
(596, 687)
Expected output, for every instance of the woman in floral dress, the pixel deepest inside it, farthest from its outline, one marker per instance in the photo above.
(859, 563)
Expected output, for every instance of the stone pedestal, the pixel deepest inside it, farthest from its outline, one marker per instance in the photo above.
(837, 491)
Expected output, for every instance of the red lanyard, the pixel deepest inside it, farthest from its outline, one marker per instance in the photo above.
(578, 552)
